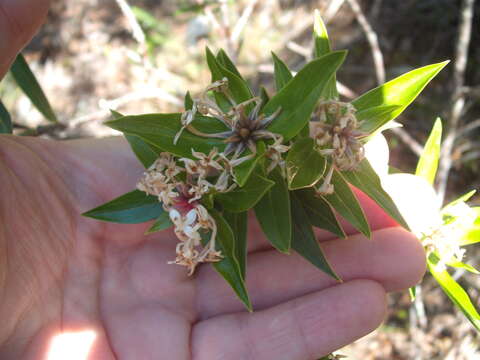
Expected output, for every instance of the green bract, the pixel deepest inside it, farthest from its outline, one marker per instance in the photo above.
(291, 156)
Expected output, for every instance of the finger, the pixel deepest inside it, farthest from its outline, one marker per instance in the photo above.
(394, 258)
(304, 328)
(19, 20)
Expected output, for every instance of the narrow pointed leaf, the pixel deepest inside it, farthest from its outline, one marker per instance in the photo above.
(375, 119)
(131, 208)
(323, 47)
(455, 292)
(462, 265)
(428, 162)
(27, 81)
(281, 72)
(145, 153)
(163, 222)
(243, 171)
(244, 198)
(298, 98)
(239, 224)
(5, 120)
(188, 101)
(238, 87)
(344, 201)
(229, 267)
(367, 180)
(305, 166)
(304, 241)
(463, 198)
(224, 60)
(159, 130)
(273, 213)
(473, 235)
(319, 212)
(400, 91)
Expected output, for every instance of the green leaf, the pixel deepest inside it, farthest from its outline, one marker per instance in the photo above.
(375, 119)
(5, 120)
(455, 292)
(473, 235)
(344, 201)
(264, 96)
(131, 208)
(298, 98)
(244, 198)
(428, 162)
(163, 222)
(400, 91)
(281, 72)
(319, 212)
(243, 171)
(27, 81)
(239, 224)
(305, 166)
(237, 86)
(159, 130)
(273, 213)
(322, 47)
(229, 267)
(304, 241)
(188, 101)
(145, 153)
(367, 180)
(227, 63)
(462, 265)
(463, 198)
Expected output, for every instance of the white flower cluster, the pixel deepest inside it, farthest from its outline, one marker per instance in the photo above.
(335, 131)
(443, 239)
(180, 199)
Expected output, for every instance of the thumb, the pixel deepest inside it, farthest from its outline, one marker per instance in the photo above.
(19, 21)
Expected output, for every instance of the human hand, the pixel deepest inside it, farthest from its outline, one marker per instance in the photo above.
(66, 273)
(61, 273)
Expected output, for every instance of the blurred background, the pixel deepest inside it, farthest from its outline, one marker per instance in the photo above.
(141, 56)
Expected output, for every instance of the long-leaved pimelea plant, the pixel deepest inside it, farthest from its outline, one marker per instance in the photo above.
(290, 157)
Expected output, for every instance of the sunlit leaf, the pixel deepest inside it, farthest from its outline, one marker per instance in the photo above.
(344, 201)
(131, 208)
(298, 98)
(228, 267)
(370, 118)
(281, 72)
(319, 212)
(455, 292)
(27, 81)
(462, 265)
(304, 241)
(5, 120)
(400, 91)
(304, 164)
(159, 130)
(273, 213)
(464, 198)
(323, 47)
(428, 162)
(367, 180)
(472, 236)
(239, 224)
(244, 198)
(163, 222)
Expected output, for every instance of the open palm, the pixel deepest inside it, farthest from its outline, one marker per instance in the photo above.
(65, 273)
